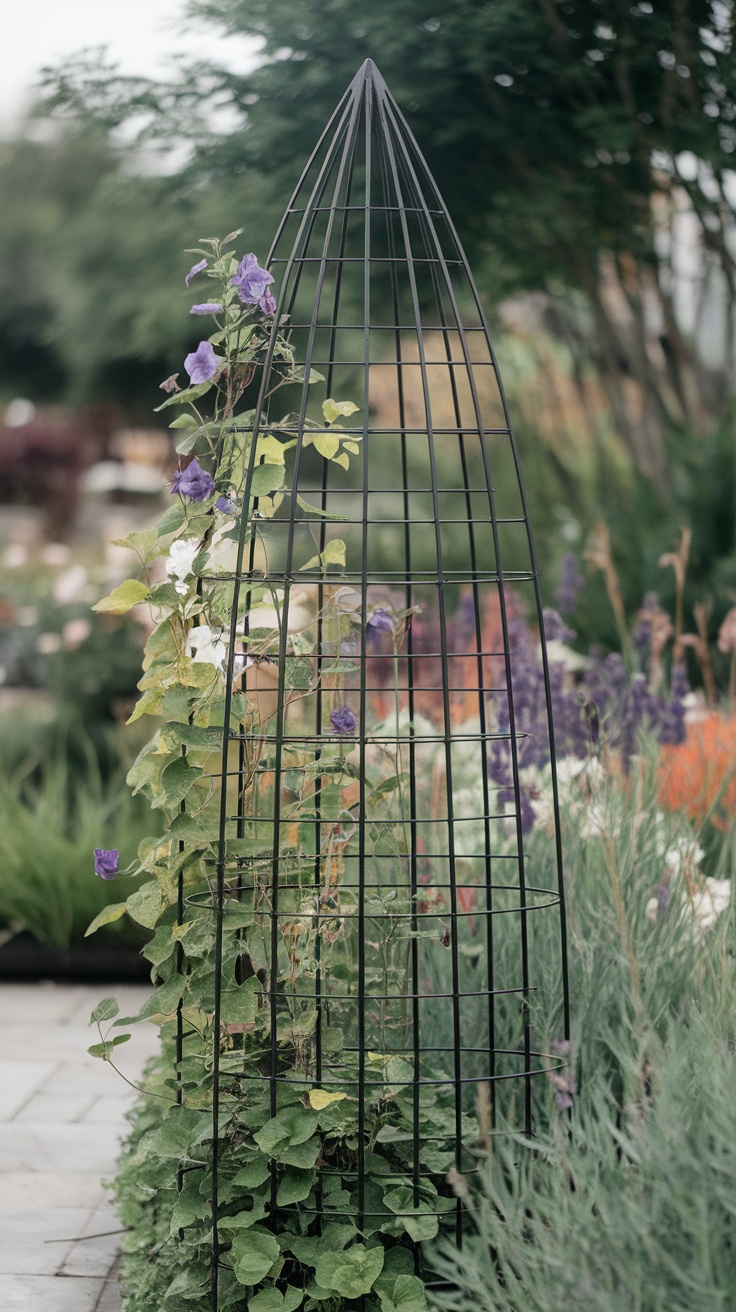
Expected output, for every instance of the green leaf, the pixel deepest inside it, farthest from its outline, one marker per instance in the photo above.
(108, 1009)
(182, 398)
(106, 917)
(294, 1125)
(315, 510)
(240, 1005)
(419, 1221)
(333, 554)
(188, 443)
(172, 520)
(333, 410)
(143, 544)
(295, 1186)
(173, 1134)
(184, 421)
(177, 779)
(148, 704)
(145, 905)
(270, 450)
(326, 443)
(272, 1300)
(123, 598)
(406, 1295)
(351, 1273)
(103, 1050)
(163, 1001)
(266, 479)
(254, 1253)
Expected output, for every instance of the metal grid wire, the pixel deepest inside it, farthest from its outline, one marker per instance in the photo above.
(377, 296)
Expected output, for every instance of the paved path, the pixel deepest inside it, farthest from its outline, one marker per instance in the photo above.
(61, 1118)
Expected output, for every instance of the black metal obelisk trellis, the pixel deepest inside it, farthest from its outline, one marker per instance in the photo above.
(396, 904)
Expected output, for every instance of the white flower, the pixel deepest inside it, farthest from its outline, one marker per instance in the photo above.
(708, 903)
(223, 555)
(180, 561)
(652, 909)
(70, 585)
(684, 854)
(207, 645)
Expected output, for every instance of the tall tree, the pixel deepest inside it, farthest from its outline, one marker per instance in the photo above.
(565, 135)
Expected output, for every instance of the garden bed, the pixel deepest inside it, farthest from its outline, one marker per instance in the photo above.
(24, 958)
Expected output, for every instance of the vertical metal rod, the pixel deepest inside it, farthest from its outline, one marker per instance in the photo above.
(447, 734)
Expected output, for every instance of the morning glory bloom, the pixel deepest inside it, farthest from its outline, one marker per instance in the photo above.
(207, 646)
(381, 619)
(193, 482)
(195, 269)
(225, 505)
(343, 720)
(207, 307)
(106, 862)
(180, 561)
(202, 364)
(252, 283)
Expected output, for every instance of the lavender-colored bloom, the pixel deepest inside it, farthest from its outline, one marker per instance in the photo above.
(106, 862)
(225, 505)
(381, 621)
(195, 269)
(555, 628)
(673, 729)
(202, 364)
(641, 634)
(207, 307)
(193, 482)
(571, 581)
(343, 720)
(252, 283)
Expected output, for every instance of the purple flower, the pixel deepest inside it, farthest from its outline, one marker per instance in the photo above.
(207, 307)
(225, 505)
(571, 581)
(555, 628)
(252, 283)
(343, 720)
(193, 482)
(106, 862)
(195, 269)
(202, 364)
(381, 619)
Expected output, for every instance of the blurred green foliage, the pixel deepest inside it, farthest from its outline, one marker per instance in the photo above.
(54, 811)
(564, 139)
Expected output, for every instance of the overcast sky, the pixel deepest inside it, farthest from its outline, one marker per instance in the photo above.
(140, 35)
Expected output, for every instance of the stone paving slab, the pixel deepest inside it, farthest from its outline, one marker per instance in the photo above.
(19, 1081)
(50, 1294)
(61, 1121)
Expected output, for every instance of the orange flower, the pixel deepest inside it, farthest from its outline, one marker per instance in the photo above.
(700, 773)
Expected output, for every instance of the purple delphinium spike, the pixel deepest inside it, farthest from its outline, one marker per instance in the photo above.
(207, 307)
(106, 862)
(195, 269)
(252, 283)
(571, 581)
(343, 720)
(193, 482)
(202, 364)
(673, 729)
(555, 628)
